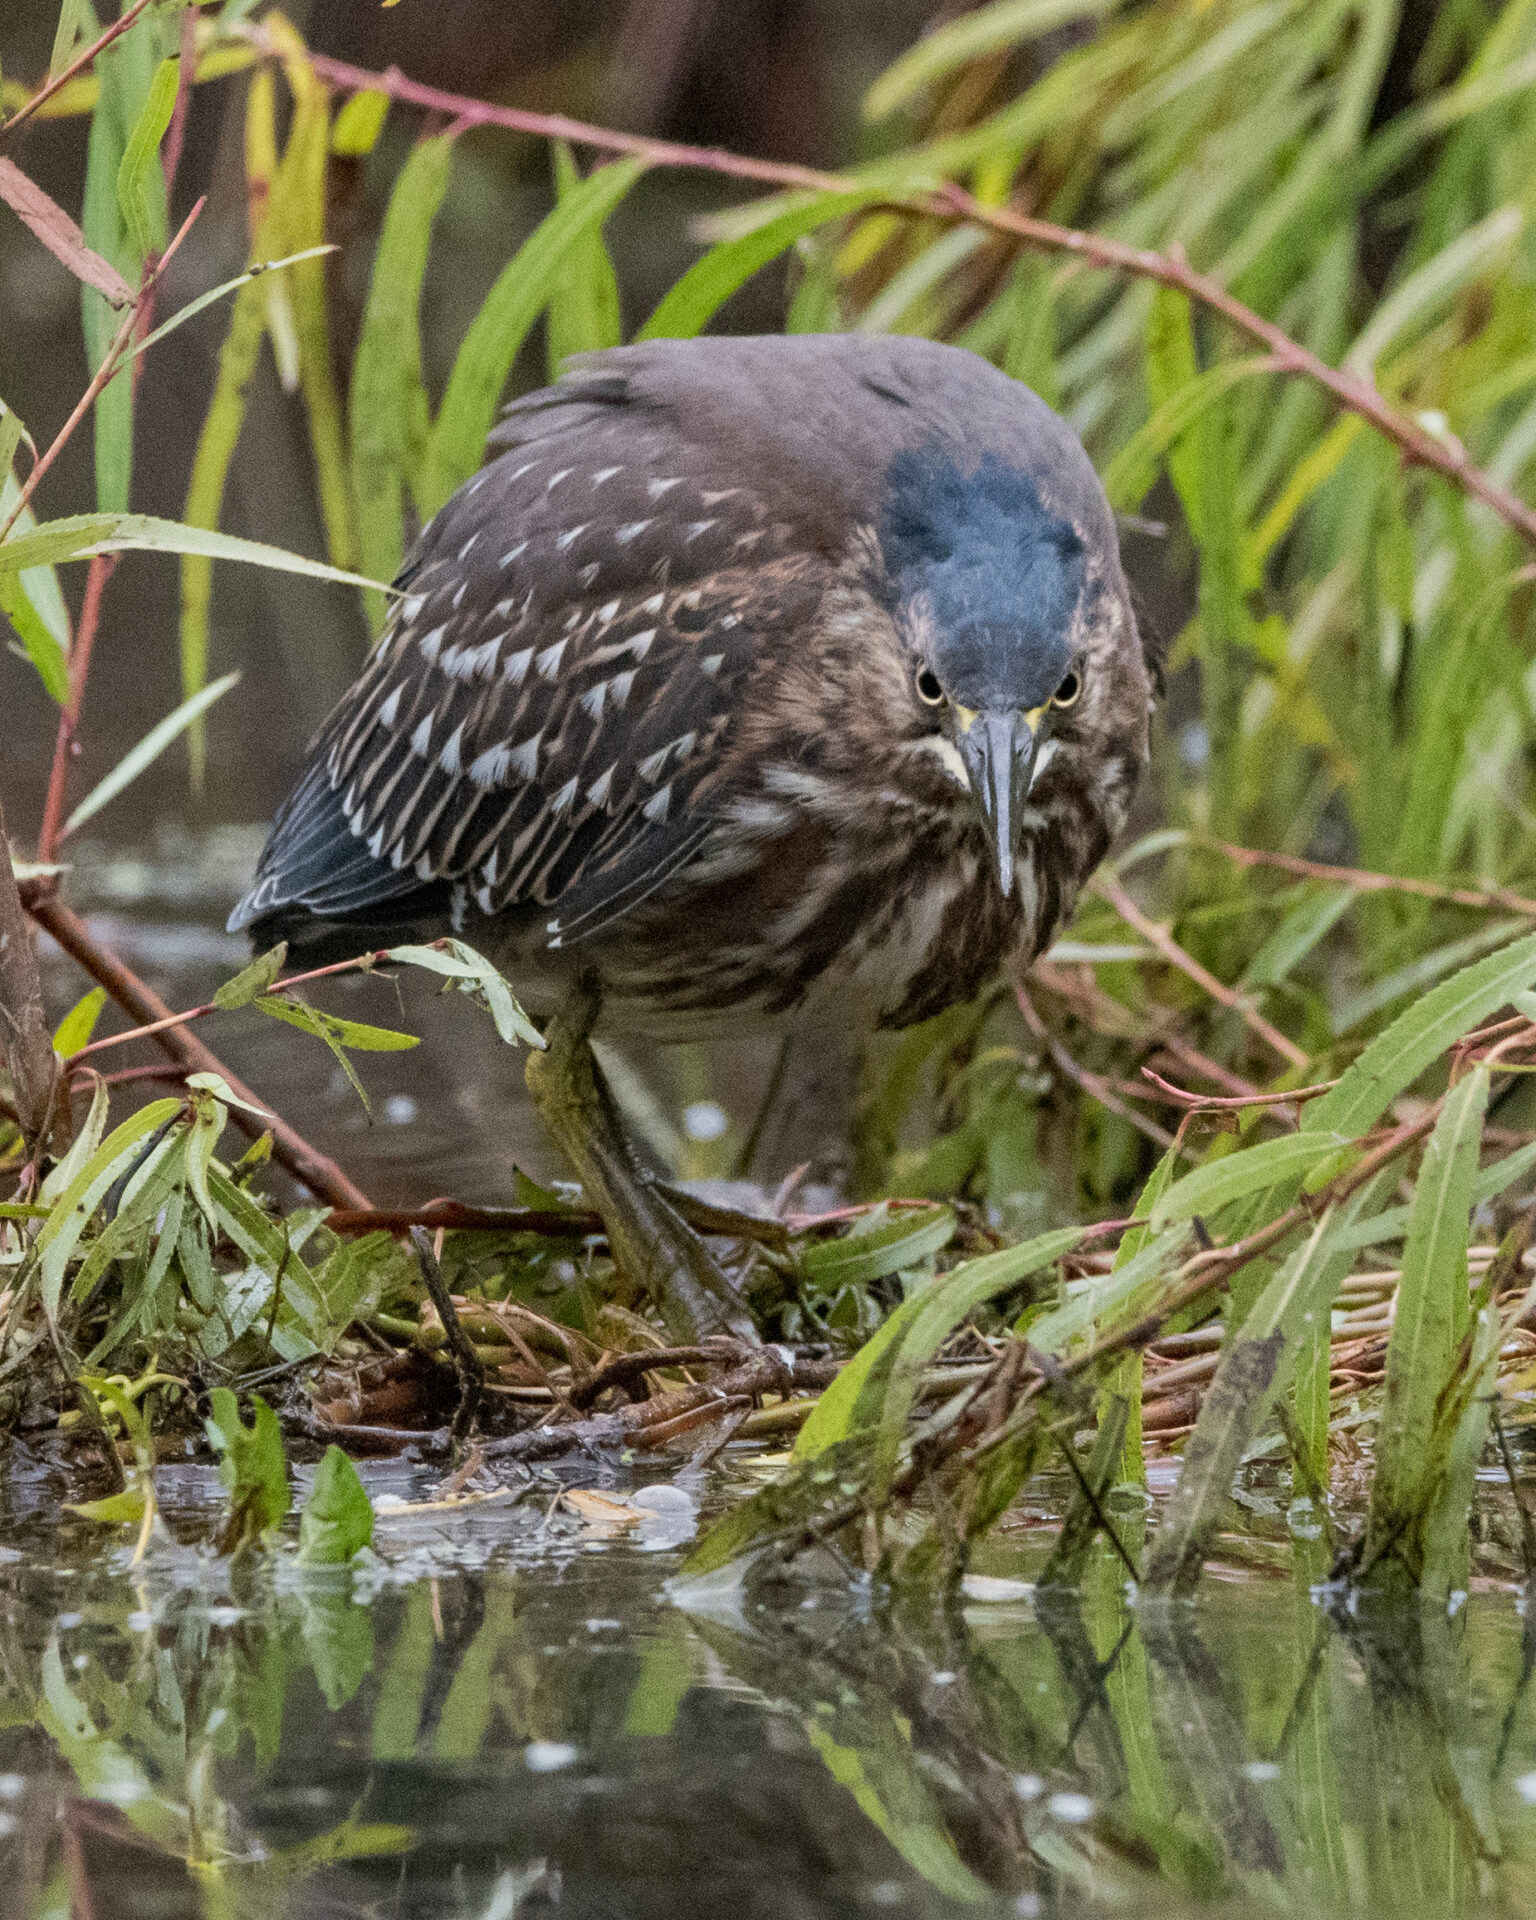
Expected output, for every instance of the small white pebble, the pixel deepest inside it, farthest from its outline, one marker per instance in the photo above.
(662, 1499)
(943, 1679)
(400, 1109)
(705, 1120)
(140, 1622)
(548, 1756)
(1072, 1809)
(81, 1662)
(605, 1626)
(1028, 1786)
(1261, 1770)
(68, 1620)
(14, 1785)
(1525, 1786)
(1028, 1906)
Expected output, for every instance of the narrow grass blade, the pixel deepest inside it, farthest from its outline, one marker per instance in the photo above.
(1396, 1058)
(388, 404)
(1235, 1175)
(688, 306)
(1251, 1372)
(522, 290)
(1433, 1308)
(148, 751)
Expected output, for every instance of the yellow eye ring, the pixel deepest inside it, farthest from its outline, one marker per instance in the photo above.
(928, 689)
(1066, 695)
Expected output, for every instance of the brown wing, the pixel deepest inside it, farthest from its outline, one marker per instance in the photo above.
(545, 717)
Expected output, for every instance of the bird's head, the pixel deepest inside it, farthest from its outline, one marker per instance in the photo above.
(999, 599)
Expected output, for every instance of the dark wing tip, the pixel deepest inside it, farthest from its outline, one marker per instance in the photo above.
(315, 872)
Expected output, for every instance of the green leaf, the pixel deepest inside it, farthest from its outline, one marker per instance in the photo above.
(75, 18)
(584, 314)
(473, 974)
(1130, 475)
(102, 223)
(81, 535)
(359, 124)
(75, 1029)
(115, 1510)
(252, 1467)
(148, 751)
(853, 1402)
(1396, 1058)
(1250, 1374)
(692, 302)
(342, 1033)
(32, 602)
(1219, 1182)
(1430, 1319)
(968, 38)
(86, 1190)
(140, 181)
(1096, 1301)
(858, 1258)
(522, 290)
(337, 1521)
(221, 292)
(388, 403)
(252, 980)
(337, 1034)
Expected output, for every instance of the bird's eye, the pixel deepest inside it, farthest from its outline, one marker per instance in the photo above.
(928, 689)
(1066, 694)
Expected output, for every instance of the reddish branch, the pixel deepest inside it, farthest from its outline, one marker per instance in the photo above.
(80, 61)
(1352, 391)
(1363, 881)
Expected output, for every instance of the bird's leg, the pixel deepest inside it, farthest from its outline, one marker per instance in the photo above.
(651, 1243)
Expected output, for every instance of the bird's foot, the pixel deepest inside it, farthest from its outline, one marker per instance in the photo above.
(651, 1243)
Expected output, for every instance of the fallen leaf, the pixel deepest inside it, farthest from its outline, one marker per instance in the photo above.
(598, 1510)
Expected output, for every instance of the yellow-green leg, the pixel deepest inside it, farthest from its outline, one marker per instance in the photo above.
(651, 1243)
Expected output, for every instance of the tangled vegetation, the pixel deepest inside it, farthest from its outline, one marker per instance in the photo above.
(1239, 1166)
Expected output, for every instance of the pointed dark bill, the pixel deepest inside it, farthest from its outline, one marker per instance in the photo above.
(999, 754)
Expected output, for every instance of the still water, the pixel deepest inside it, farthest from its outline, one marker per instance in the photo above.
(505, 1710)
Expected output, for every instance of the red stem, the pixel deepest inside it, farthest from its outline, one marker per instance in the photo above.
(1352, 391)
(99, 45)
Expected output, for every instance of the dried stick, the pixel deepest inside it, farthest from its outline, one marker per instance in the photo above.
(28, 1050)
(1159, 937)
(467, 1363)
(1354, 392)
(289, 1148)
(1203, 1102)
(1095, 1085)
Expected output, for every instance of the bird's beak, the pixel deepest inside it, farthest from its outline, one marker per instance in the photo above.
(999, 754)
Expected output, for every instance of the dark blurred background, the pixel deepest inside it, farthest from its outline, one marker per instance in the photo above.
(159, 870)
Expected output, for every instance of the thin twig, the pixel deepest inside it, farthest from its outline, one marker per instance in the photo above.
(102, 567)
(1200, 1102)
(1159, 937)
(1364, 881)
(81, 60)
(361, 963)
(466, 1361)
(1095, 1085)
(1356, 393)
